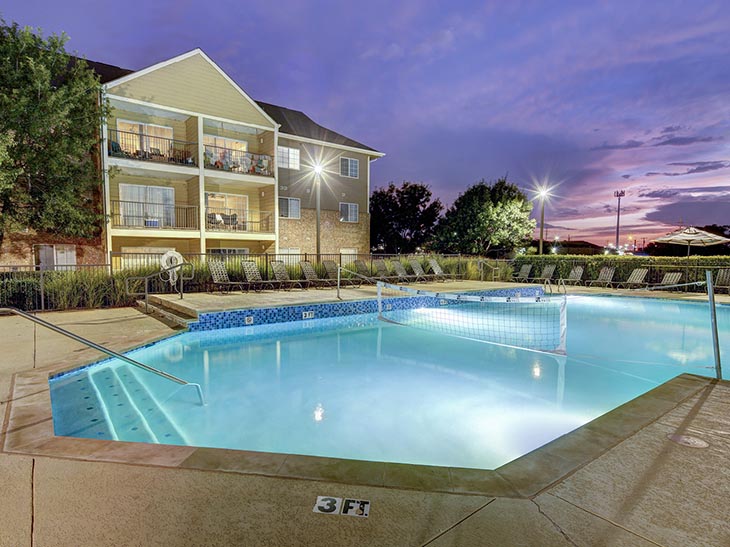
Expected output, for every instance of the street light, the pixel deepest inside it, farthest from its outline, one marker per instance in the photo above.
(317, 168)
(542, 194)
(618, 194)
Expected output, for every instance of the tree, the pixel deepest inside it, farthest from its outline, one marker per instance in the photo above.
(403, 218)
(49, 103)
(484, 217)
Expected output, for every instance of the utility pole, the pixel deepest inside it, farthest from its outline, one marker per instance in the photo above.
(618, 194)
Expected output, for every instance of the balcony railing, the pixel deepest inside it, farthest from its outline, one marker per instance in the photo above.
(238, 161)
(219, 219)
(135, 214)
(139, 146)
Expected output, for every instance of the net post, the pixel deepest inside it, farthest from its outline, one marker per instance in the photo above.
(713, 322)
(380, 298)
(562, 348)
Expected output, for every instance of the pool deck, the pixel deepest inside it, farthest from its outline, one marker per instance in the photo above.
(617, 481)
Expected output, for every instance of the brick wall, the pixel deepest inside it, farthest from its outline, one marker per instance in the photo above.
(334, 235)
(17, 248)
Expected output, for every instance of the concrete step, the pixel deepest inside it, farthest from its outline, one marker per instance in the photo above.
(170, 318)
(177, 305)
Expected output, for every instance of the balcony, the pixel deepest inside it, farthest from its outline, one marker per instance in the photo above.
(153, 216)
(140, 146)
(219, 219)
(238, 161)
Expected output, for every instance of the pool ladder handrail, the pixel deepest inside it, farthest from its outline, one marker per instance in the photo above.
(110, 352)
(146, 278)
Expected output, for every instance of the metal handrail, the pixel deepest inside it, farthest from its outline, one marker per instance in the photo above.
(102, 349)
(146, 279)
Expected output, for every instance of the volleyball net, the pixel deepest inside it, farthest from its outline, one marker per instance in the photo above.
(536, 323)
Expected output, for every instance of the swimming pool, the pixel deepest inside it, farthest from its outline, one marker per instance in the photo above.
(355, 387)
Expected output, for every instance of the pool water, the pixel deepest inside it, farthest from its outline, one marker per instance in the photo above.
(359, 388)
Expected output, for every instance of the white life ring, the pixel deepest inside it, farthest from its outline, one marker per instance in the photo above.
(168, 260)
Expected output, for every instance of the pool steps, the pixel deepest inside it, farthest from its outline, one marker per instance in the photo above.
(169, 315)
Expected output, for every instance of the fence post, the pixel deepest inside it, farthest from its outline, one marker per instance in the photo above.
(43, 293)
(266, 259)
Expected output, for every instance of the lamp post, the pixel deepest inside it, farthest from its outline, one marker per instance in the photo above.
(618, 194)
(542, 194)
(317, 184)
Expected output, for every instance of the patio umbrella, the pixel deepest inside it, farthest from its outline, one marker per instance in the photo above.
(692, 236)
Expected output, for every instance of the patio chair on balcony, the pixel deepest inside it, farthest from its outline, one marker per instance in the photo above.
(636, 280)
(254, 279)
(331, 267)
(418, 270)
(605, 277)
(524, 274)
(575, 277)
(282, 276)
(314, 280)
(219, 273)
(723, 280)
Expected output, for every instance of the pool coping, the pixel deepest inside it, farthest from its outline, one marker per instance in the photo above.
(27, 428)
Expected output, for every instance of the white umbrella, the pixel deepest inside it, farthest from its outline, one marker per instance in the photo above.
(692, 236)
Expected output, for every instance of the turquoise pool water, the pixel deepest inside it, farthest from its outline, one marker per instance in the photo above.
(359, 388)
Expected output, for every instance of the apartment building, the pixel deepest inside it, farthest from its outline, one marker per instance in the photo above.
(192, 163)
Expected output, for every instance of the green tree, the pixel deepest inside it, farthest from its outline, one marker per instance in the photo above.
(403, 218)
(484, 217)
(49, 103)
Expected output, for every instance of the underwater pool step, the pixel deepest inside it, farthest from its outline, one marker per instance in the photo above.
(155, 418)
(126, 420)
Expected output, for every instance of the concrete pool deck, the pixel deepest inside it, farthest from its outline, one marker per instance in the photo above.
(617, 481)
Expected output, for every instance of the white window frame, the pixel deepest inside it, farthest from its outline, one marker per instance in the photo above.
(349, 167)
(287, 151)
(350, 207)
(230, 251)
(299, 208)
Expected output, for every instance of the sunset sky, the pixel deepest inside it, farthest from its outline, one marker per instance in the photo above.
(591, 97)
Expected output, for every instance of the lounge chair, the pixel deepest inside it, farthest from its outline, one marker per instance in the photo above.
(363, 271)
(282, 276)
(438, 272)
(523, 274)
(402, 273)
(219, 273)
(575, 277)
(314, 280)
(722, 281)
(331, 267)
(636, 279)
(418, 270)
(254, 279)
(669, 278)
(605, 277)
(547, 273)
(382, 269)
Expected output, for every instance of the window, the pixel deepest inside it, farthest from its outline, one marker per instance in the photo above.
(146, 206)
(348, 254)
(289, 255)
(350, 167)
(229, 251)
(55, 257)
(138, 257)
(146, 137)
(222, 142)
(289, 208)
(349, 212)
(288, 157)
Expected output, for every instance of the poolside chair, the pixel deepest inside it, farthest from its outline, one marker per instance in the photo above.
(635, 280)
(282, 276)
(219, 273)
(438, 272)
(575, 277)
(363, 271)
(314, 280)
(331, 267)
(605, 277)
(523, 274)
(723, 280)
(402, 273)
(669, 278)
(547, 273)
(254, 279)
(418, 270)
(382, 269)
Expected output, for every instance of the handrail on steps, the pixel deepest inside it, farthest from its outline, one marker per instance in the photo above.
(146, 279)
(110, 352)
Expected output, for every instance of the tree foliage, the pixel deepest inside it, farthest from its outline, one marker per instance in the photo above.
(50, 110)
(403, 218)
(484, 217)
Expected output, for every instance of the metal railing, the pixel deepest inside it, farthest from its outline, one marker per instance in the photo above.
(220, 219)
(137, 214)
(102, 349)
(140, 146)
(173, 275)
(238, 161)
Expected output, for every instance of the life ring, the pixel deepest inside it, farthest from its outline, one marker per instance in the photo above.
(168, 260)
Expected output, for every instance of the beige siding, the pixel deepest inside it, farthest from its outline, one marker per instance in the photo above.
(335, 188)
(180, 245)
(192, 84)
(254, 247)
